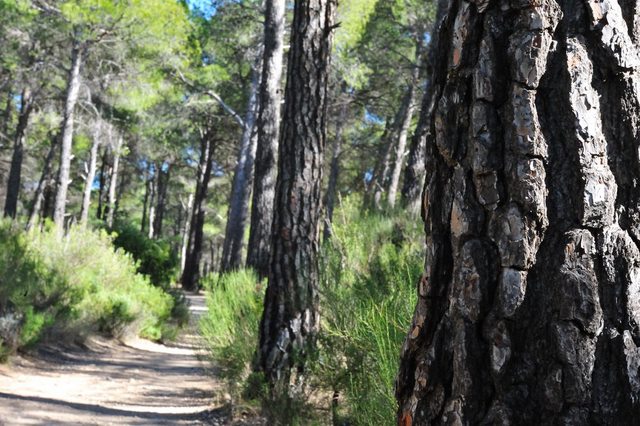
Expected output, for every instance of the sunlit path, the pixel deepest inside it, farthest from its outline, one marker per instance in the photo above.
(138, 383)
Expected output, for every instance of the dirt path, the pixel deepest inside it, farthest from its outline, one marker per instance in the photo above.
(139, 383)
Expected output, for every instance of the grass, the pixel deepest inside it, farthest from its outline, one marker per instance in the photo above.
(369, 270)
(230, 327)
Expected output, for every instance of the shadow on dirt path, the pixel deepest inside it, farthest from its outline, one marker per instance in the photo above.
(135, 383)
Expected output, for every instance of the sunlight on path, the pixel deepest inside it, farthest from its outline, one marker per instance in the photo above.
(138, 383)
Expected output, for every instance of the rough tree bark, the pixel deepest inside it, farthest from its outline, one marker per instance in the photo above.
(268, 127)
(529, 307)
(73, 87)
(15, 172)
(91, 174)
(290, 320)
(405, 124)
(242, 182)
(191, 272)
(38, 198)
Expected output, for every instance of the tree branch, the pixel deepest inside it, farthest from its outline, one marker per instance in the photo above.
(215, 96)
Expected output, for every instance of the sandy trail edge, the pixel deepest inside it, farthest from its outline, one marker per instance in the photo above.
(136, 383)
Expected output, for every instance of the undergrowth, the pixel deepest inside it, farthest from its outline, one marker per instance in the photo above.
(230, 326)
(74, 286)
(368, 271)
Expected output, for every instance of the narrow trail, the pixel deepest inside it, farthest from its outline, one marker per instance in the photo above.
(136, 383)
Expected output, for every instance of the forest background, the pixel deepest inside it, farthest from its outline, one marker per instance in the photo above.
(132, 158)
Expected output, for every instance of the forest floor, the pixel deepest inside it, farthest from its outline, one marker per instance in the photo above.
(108, 382)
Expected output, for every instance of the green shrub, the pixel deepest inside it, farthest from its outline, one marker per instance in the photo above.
(155, 258)
(34, 324)
(32, 296)
(231, 324)
(76, 284)
(115, 298)
(368, 272)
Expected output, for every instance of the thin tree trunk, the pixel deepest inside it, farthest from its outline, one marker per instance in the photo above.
(186, 231)
(39, 196)
(114, 181)
(290, 320)
(242, 184)
(123, 181)
(102, 182)
(91, 174)
(191, 274)
(152, 199)
(268, 127)
(528, 309)
(15, 172)
(163, 184)
(73, 87)
(403, 131)
(147, 192)
(373, 198)
(335, 164)
(152, 215)
(415, 170)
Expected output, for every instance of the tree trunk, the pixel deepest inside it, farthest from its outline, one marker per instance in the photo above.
(334, 171)
(38, 198)
(290, 320)
(15, 172)
(163, 183)
(242, 184)
(415, 170)
(114, 181)
(373, 197)
(268, 129)
(186, 231)
(528, 311)
(191, 272)
(147, 193)
(91, 174)
(102, 183)
(73, 87)
(403, 130)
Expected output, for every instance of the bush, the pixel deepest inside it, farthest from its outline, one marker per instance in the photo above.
(368, 271)
(32, 295)
(230, 327)
(155, 258)
(74, 285)
(114, 296)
